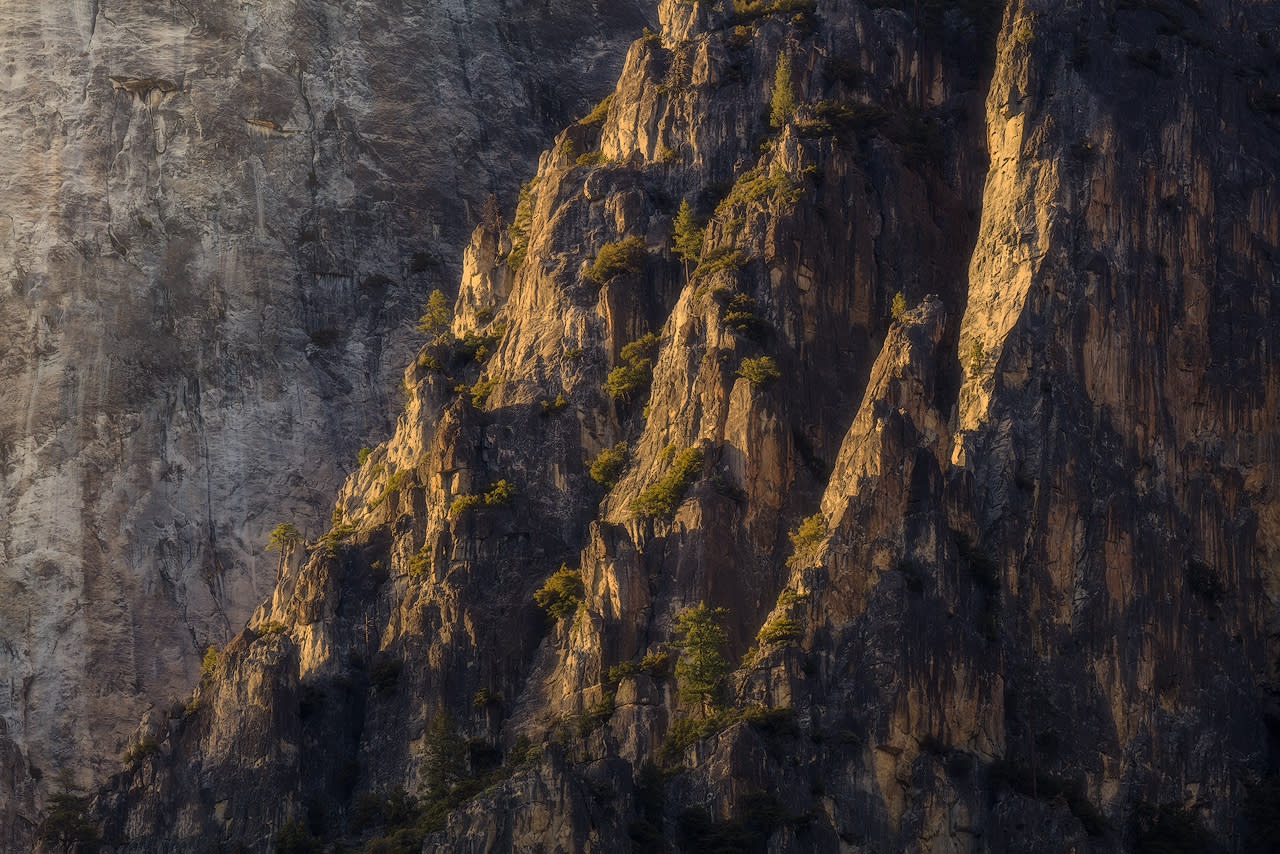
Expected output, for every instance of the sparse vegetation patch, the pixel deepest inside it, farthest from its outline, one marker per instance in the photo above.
(662, 498)
(616, 259)
(561, 594)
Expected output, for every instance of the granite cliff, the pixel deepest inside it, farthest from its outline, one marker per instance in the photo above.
(219, 220)
(960, 417)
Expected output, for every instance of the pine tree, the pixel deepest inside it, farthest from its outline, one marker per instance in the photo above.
(435, 320)
(688, 236)
(284, 537)
(520, 227)
(783, 103)
(446, 755)
(702, 665)
(65, 825)
(898, 307)
(209, 664)
(977, 357)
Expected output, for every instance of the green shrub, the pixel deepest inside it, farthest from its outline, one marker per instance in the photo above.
(806, 539)
(485, 697)
(850, 120)
(520, 227)
(481, 390)
(759, 371)
(499, 494)
(779, 631)
(657, 664)
(754, 186)
(523, 751)
(271, 628)
(551, 407)
(362, 455)
(420, 561)
(682, 732)
(701, 668)
(721, 258)
(598, 113)
(644, 347)
(661, 499)
(467, 501)
(621, 671)
(616, 259)
(393, 484)
(560, 594)
(745, 10)
(782, 104)
(480, 345)
(209, 664)
(141, 750)
(294, 838)
(636, 373)
(788, 598)
(607, 468)
(591, 158)
(977, 357)
(597, 716)
(898, 306)
(337, 534)
(625, 381)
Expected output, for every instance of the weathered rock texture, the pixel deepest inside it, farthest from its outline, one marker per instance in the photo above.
(1038, 608)
(219, 222)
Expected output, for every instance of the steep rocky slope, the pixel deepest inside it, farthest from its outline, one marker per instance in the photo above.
(219, 220)
(966, 416)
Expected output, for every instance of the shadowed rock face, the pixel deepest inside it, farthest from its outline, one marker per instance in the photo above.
(218, 219)
(1039, 612)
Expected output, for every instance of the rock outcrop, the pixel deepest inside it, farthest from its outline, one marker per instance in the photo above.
(220, 222)
(964, 413)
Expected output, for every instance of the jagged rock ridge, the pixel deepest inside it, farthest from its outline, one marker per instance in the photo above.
(219, 220)
(1037, 611)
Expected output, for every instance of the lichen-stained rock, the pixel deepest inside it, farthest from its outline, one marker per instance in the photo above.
(219, 222)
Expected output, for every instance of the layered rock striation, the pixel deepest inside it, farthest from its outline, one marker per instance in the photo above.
(964, 412)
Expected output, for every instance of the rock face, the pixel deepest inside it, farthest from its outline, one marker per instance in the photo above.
(965, 413)
(220, 220)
